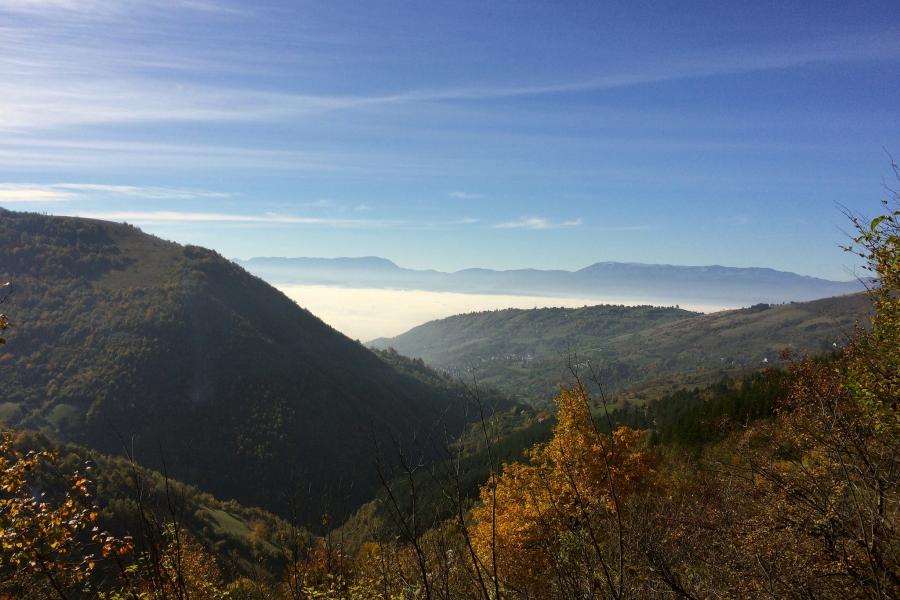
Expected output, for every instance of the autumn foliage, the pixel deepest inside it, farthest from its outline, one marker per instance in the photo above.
(803, 505)
(566, 498)
(49, 543)
(800, 501)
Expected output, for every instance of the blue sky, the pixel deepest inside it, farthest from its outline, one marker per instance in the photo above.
(449, 135)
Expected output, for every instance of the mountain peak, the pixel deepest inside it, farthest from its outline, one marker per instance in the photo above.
(252, 382)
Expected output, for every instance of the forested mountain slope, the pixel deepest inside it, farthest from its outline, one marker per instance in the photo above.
(684, 418)
(524, 352)
(247, 541)
(121, 339)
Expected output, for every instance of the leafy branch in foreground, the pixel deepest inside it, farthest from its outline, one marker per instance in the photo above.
(46, 541)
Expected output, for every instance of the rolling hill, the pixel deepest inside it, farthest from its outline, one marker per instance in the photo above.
(655, 284)
(248, 541)
(523, 352)
(121, 339)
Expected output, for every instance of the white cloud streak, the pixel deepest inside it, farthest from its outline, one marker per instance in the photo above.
(729, 61)
(464, 221)
(133, 191)
(16, 193)
(64, 192)
(536, 223)
(21, 152)
(320, 203)
(103, 8)
(50, 82)
(193, 217)
(163, 216)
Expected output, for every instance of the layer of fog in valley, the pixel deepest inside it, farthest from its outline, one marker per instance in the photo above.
(369, 313)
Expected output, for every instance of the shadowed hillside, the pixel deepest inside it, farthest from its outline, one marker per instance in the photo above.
(121, 339)
(246, 540)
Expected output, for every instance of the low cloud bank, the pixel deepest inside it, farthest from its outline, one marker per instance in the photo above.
(369, 313)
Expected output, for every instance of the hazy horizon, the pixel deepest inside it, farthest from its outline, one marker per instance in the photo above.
(500, 134)
(848, 276)
(369, 313)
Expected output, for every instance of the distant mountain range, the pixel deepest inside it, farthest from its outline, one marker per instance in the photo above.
(657, 284)
(123, 340)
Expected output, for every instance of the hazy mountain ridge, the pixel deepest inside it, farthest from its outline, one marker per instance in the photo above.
(656, 283)
(524, 352)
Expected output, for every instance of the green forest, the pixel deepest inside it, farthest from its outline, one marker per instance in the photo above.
(122, 341)
(643, 349)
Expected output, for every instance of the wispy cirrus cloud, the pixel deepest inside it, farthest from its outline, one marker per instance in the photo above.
(65, 192)
(96, 8)
(23, 192)
(165, 216)
(156, 217)
(53, 78)
(135, 191)
(320, 203)
(883, 45)
(464, 221)
(537, 223)
(53, 7)
(465, 195)
(40, 153)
